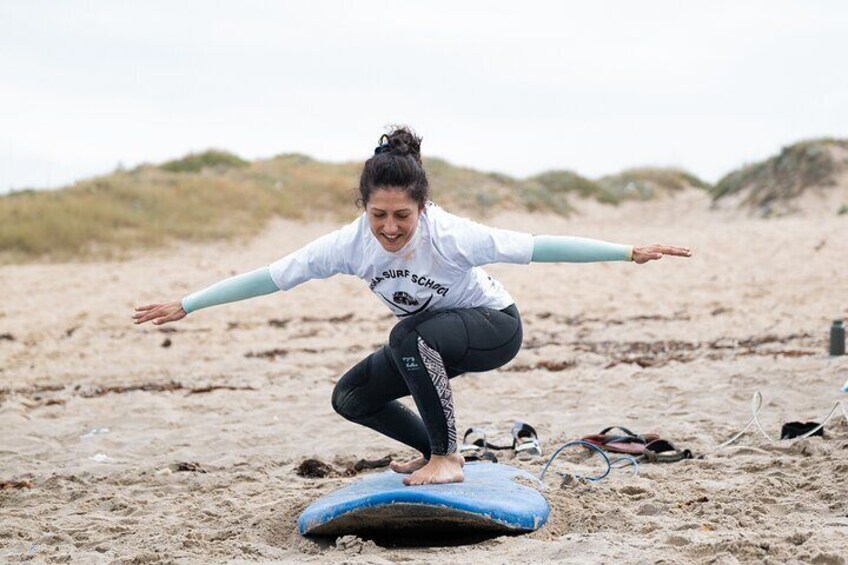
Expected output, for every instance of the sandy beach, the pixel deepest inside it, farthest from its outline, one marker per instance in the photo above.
(180, 443)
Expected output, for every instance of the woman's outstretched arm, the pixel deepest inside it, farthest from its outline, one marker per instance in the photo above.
(322, 258)
(240, 287)
(560, 248)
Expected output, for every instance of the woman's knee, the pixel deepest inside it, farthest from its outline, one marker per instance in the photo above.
(348, 403)
(401, 332)
(348, 399)
(340, 397)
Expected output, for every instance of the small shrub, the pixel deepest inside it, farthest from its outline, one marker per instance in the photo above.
(196, 162)
(649, 182)
(568, 181)
(535, 197)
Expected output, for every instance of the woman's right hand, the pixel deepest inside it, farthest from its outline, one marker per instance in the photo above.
(159, 313)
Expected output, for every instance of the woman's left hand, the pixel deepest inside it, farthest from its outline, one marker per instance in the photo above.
(653, 252)
(159, 313)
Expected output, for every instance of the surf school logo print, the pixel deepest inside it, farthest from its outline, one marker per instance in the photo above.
(406, 302)
(401, 297)
(422, 281)
(402, 303)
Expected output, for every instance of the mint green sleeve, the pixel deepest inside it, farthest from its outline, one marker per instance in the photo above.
(561, 248)
(248, 285)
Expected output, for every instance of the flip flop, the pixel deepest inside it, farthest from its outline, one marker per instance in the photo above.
(797, 429)
(525, 441)
(644, 447)
(662, 451)
(624, 442)
(477, 449)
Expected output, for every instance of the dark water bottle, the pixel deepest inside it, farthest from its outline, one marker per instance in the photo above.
(837, 338)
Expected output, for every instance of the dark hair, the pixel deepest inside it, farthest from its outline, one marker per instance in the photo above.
(396, 163)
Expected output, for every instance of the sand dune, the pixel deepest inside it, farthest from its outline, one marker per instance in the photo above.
(180, 443)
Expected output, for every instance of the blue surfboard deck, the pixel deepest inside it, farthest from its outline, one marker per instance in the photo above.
(490, 499)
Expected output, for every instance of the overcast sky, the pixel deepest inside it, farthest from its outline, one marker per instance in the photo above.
(513, 87)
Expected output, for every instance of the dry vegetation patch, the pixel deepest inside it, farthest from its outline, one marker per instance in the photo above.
(218, 195)
(648, 183)
(773, 187)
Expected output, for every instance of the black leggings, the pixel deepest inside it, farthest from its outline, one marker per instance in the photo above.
(424, 352)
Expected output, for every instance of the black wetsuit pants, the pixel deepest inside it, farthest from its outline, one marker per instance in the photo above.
(424, 352)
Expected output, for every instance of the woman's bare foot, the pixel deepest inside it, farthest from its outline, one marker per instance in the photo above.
(409, 466)
(440, 469)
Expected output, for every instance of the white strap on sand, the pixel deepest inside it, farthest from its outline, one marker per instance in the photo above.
(756, 405)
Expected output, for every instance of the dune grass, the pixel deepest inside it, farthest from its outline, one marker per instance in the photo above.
(142, 208)
(217, 195)
(562, 183)
(210, 159)
(784, 176)
(632, 184)
(647, 183)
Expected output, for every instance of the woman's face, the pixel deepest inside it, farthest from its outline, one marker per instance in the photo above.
(393, 217)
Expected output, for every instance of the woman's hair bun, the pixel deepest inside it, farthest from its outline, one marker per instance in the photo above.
(396, 164)
(401, 141)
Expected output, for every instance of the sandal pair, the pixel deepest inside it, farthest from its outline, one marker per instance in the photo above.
(525, 444)
(644, 447)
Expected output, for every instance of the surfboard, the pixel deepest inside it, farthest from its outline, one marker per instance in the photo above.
(493, 497)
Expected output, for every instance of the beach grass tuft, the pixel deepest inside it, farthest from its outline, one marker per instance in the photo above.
(771, 184)
(647, 183)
